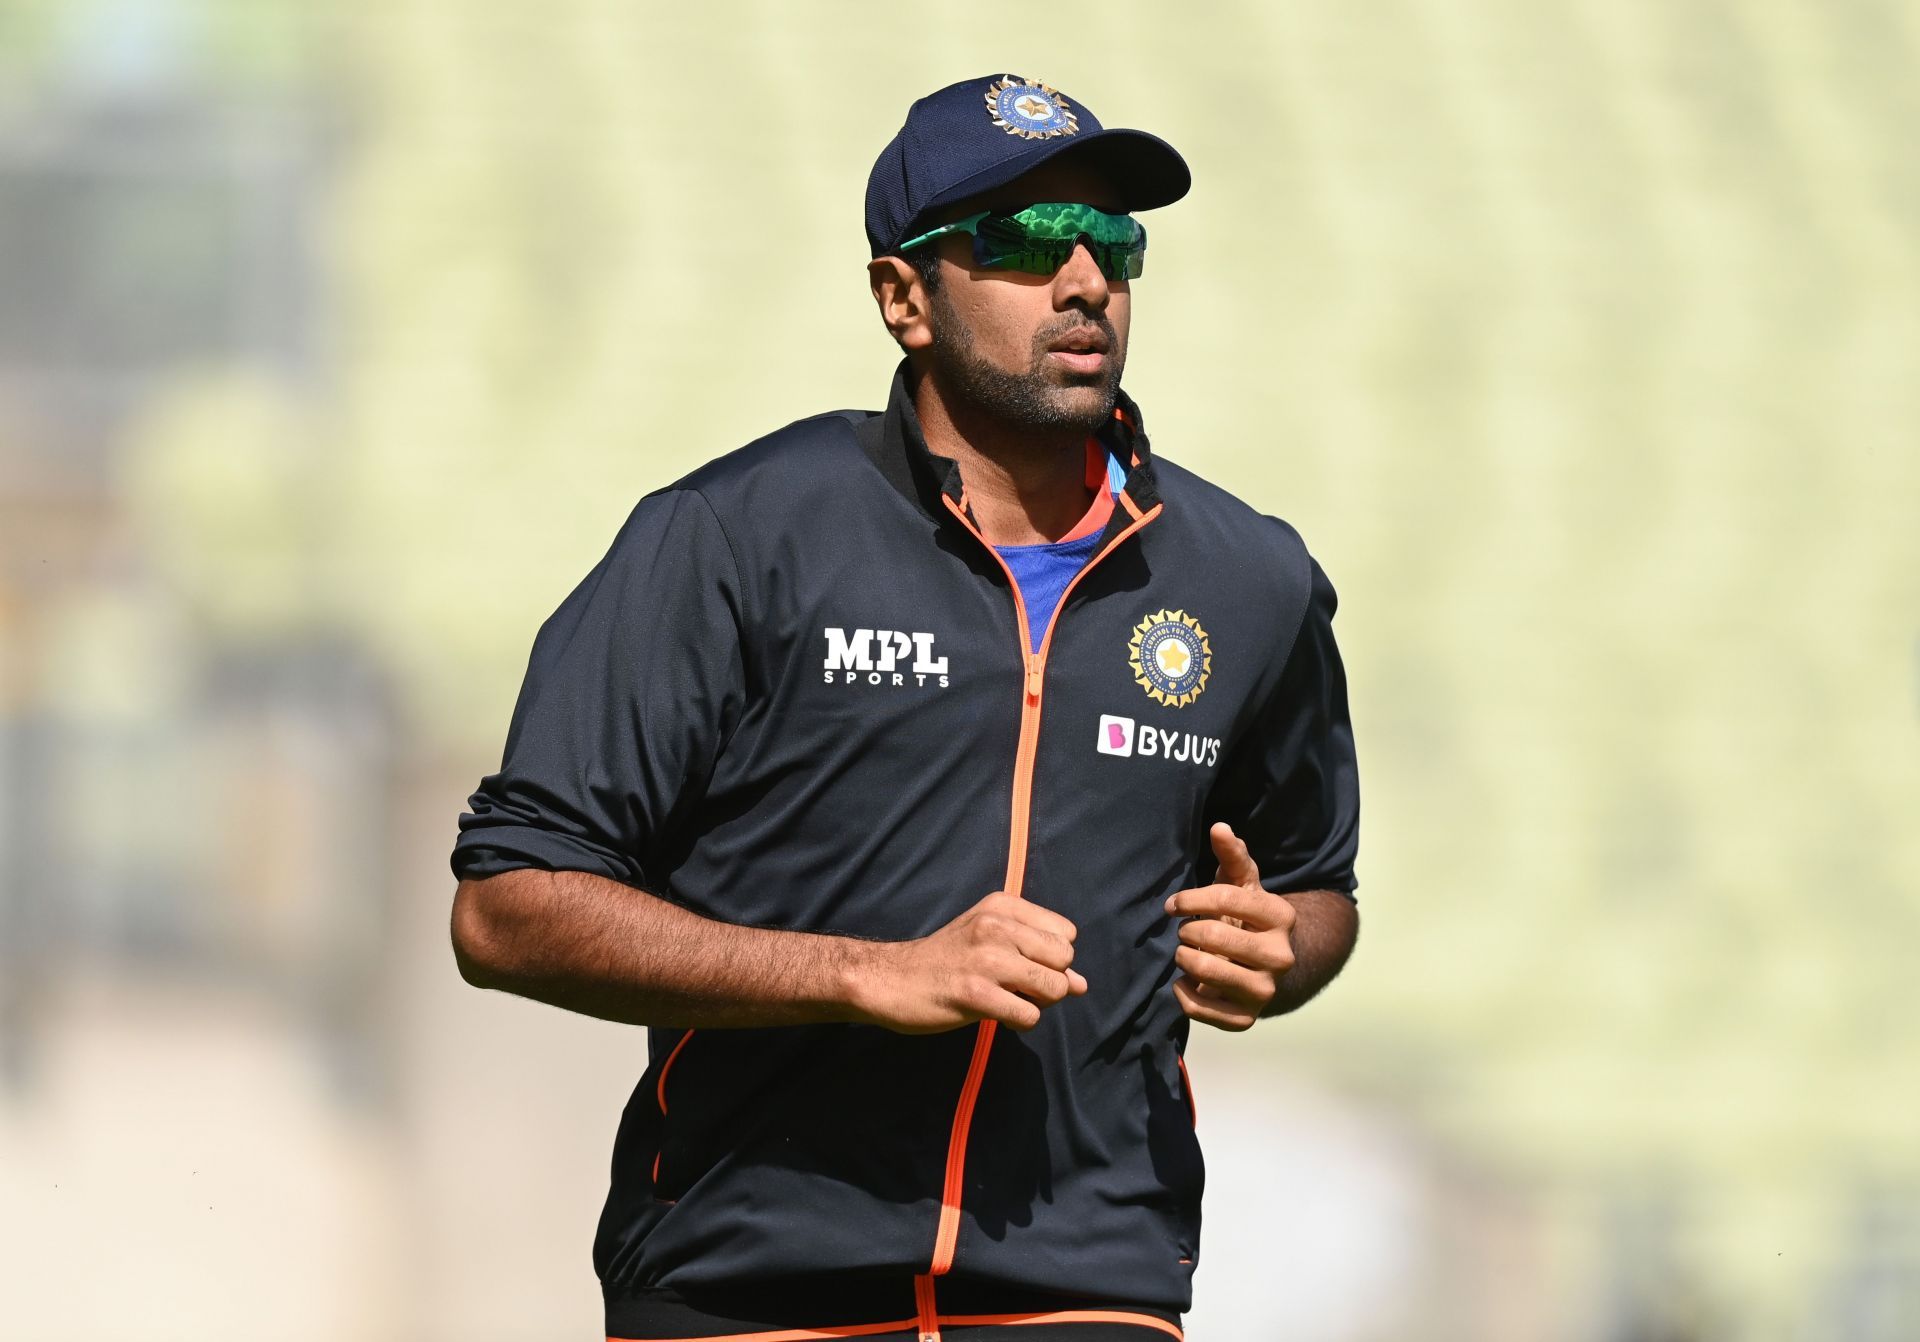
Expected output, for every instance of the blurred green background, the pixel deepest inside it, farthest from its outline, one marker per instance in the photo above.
(1579, 338)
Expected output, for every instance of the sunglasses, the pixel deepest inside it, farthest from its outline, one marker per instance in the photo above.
(1038, 239)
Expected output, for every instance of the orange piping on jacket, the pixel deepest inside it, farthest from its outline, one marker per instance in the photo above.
(794, 1334)
(660, 1092)
(901, 1325)
(1070, 1316)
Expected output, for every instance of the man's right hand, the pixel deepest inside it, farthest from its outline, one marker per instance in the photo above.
(1004, 959)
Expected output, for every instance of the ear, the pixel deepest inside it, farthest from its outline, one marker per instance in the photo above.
(902, 299)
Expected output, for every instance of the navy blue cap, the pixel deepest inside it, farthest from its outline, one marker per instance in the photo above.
(982, 133)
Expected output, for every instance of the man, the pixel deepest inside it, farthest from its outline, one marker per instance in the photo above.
(917, 777)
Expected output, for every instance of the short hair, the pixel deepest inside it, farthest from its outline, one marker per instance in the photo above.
(926, 260)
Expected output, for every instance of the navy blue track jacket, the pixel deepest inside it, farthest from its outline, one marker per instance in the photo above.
(797, 693)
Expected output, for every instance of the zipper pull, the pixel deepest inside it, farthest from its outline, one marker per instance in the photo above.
(1033, 678)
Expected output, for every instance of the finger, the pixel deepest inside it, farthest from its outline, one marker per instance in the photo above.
(1040, 919)
(1237, 866)
(1270, 951)
(1208, 1012)
(1208, 993)
(1011, 1010)
(1078, 982)
(1043, 947)
(1204, 989)
(1246, 987)
(1253, 906)
(1035, 982)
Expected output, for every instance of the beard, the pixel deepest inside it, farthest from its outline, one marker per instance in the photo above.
(1042, 396)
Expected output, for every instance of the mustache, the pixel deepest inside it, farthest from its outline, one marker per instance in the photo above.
(1086, 321)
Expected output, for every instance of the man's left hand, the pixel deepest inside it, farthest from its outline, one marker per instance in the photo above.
(1236, 942)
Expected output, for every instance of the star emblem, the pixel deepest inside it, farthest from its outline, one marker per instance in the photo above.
(1030, 109)
(1171, 657)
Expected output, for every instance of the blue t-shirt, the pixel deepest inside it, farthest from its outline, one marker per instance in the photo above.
(1044, 570)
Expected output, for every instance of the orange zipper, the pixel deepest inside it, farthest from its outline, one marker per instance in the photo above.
(1023, 764)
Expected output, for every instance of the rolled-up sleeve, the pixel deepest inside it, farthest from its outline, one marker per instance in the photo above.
(633, 686)
(1292, 788)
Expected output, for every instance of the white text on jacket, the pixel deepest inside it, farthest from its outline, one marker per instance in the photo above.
(879, 657)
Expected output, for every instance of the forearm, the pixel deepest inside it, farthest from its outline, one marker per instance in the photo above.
(588, 944)
(1325, 928)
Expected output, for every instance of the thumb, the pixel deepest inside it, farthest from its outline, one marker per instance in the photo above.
(1237, 866)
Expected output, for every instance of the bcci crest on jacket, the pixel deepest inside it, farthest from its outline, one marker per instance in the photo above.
(1171, 657)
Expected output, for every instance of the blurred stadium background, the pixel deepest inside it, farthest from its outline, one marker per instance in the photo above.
(1580, 338)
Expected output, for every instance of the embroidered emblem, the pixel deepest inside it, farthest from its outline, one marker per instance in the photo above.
(1030, 109)
(1170, 657)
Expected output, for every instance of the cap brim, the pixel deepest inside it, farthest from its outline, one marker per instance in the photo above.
(1146, 170)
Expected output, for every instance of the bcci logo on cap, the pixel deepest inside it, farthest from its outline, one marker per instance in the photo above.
(1170, 657)
(1030, 109)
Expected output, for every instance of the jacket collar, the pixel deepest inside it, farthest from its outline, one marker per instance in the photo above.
(893, 441)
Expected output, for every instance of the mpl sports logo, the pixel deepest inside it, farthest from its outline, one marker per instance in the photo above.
(880, 657)
(1124, 737)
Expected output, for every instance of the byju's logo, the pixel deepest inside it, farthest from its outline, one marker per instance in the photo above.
(1116, 735)
(1122, 736)
(879, 657)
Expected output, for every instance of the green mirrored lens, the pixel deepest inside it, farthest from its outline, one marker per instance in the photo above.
(1069, 221)
(1040, 238)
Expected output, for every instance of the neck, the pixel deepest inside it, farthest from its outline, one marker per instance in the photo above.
(1027, 485)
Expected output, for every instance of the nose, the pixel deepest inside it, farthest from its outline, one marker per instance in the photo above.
(1080, 280)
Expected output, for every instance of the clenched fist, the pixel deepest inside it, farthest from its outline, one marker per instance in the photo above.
(1003, 959)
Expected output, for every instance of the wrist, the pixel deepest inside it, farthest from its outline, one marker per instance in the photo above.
(855, 968)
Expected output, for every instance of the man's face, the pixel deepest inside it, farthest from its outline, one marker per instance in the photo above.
(1038, 351)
